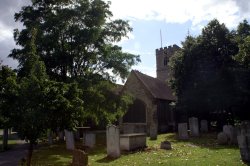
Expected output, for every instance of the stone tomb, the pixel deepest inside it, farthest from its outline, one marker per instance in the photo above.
(132, 141)
(80, 158)
(244, 145)
(90, 139)
(113, 141)
(70, 142)
(194, 126)
(204, 126)
(182, 131)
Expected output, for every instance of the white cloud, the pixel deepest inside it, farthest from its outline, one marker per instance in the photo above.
(229, 12)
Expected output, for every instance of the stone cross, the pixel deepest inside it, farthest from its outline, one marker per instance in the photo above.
(113, 141)
(70, 142)
(182, 131)
(204, 126)
(194, 126)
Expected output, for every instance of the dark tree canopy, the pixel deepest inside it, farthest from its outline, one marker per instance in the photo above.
(205, 75)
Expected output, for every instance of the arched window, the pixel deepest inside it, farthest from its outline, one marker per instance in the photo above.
(165, 61)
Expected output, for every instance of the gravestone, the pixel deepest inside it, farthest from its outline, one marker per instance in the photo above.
(228, 130)
(113, 141)
(182, 131)
(70, 142)
(244, 144)
(61, 135)
(90, 139)
(80, 158)
(222, 138)
(204, 126)
(166, 145)
(194, 126)
(50, 139)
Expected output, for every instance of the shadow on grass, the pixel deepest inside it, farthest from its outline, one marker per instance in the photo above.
(208, 140)
(106, 160)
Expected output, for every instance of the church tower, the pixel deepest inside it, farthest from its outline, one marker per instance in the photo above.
(162, 59)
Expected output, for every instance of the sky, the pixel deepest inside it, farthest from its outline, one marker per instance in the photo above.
(174, 18)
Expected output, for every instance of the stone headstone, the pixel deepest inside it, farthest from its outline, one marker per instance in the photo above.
(228, 130)
(182, 131)
(222, 138)
(50, 139)
(154, 125)
(194, 126)
(113, 141)
(204, 126)
(77, 135)
(61, 135)
(244, 147)
(80, 158)
(166, 145)
(90, 139)
(70, 142)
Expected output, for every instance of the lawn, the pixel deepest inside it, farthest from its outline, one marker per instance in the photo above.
(197, 151)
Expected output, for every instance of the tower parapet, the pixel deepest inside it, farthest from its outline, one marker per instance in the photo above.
(162, 59)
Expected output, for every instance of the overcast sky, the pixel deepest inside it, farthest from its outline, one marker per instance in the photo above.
(147, 17)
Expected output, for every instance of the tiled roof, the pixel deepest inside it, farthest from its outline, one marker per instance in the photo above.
(158, 88)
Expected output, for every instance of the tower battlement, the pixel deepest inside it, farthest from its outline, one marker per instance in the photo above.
(162, 59)
(167, 50)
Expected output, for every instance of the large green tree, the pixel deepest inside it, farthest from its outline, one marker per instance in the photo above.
(74, 38)
(202, 76)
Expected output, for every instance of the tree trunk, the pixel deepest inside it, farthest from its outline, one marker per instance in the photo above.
(5, 138)
(30, 154)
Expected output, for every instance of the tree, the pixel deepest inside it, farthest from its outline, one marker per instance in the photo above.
(202, 77)
(8, 96)
(75, 38)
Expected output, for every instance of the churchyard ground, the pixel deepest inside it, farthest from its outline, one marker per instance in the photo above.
(195, 151)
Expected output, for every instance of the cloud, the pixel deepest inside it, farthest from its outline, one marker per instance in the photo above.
(178, 11)
(7, 23)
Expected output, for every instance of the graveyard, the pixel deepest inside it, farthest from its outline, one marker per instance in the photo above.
(196, 151)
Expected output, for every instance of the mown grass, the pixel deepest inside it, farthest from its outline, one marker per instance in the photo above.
(12, 142)
(203, 151)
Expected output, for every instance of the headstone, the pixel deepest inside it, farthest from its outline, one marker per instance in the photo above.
(228, 130)
(166, 145)
(153, 132)
(61, 135)
(222, 138)
(204, 126)
(182, 131)
(70, 142)
(194, 126)
(80, 158)
(113, 141)
(50, 139)
(244, 147)
(90, 139)
(77, 135)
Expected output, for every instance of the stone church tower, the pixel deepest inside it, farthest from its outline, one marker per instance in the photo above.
(162, 59)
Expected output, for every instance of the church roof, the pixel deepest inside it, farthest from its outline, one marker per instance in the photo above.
(158, 88)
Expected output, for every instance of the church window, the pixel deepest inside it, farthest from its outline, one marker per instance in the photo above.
(165, 61)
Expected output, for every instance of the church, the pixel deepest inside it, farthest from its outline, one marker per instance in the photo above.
(151, 111)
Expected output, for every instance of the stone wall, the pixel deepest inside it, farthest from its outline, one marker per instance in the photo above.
(135, 88)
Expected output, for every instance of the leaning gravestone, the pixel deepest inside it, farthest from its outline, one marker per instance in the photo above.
(244, 145)
(90, 140)
(80, 158)
(70, 142)
(50, 139)
(204, 126)
(222, 138)
(61, 135)
(182, 131)
(194, 126)
(113, 141)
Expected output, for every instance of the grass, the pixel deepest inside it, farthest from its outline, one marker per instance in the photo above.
(196, 151)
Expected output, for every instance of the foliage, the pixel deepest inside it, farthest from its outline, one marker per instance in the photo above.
(74, 38)
(205, 72)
